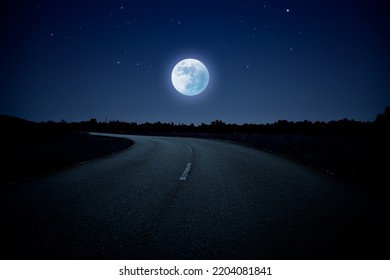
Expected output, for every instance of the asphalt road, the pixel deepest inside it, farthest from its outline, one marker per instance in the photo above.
(236, 202)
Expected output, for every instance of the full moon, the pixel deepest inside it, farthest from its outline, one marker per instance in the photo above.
(190, 77)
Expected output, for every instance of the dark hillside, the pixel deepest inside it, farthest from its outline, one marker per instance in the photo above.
(29, 149)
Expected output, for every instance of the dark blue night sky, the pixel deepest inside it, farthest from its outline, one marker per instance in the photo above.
(268, 60)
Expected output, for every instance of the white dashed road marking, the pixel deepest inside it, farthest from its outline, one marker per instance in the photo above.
(185, 173)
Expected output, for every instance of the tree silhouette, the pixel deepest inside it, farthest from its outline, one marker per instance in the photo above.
(384, 118)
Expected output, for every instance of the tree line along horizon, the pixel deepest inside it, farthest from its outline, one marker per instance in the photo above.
(343, 126)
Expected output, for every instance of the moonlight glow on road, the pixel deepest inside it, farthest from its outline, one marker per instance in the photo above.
(190, 77)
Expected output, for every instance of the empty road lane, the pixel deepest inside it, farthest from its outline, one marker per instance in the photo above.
(184, 198)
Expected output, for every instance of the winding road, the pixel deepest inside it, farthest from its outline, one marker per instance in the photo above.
(184, 198)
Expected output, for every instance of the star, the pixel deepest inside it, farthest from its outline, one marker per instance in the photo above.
(51, 34)
(287, 10)
(121, 7)
(118, 62)
(291, 49)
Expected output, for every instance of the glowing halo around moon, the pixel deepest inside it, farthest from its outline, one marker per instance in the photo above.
(190, 77)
